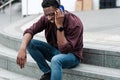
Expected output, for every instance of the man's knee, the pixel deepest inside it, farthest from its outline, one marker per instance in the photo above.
(56, 60)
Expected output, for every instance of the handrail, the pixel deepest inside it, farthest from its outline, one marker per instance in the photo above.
(5, 4)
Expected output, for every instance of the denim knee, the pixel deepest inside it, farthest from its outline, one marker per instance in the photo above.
(55, 61)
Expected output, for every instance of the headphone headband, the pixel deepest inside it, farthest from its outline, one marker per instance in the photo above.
(58, 1)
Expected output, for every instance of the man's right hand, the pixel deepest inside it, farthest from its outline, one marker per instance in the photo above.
(21, 58)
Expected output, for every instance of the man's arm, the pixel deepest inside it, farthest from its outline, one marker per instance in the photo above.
(73, 40)
(61, 39)
(21, 57)
(59, 18)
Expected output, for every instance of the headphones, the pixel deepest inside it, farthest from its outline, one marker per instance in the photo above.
(61, 7)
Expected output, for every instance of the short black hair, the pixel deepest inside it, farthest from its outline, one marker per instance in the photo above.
(48, 3)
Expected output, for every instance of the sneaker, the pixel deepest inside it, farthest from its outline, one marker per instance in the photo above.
(45, 77)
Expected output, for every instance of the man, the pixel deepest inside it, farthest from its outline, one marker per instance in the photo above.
(64, 35)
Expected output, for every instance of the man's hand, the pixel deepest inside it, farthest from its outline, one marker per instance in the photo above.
(21, 58)
(59, 18)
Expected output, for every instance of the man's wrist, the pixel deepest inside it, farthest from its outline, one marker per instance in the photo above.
(60, 28)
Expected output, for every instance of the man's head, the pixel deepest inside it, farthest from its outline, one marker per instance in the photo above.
(48, 3)
(49, 8)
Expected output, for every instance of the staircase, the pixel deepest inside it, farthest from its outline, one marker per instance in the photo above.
(101, 59)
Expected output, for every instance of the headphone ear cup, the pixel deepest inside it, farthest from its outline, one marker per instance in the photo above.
(61, 7)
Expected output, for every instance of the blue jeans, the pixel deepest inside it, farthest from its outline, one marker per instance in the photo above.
(41, 51)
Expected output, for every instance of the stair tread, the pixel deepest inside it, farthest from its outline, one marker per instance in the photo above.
(87, 68)
(8, 75)
(4, 51)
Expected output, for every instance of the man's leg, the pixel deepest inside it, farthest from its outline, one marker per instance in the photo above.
(62, 61)
(40, 51)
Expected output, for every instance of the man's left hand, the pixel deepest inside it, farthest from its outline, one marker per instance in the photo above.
(59, 18)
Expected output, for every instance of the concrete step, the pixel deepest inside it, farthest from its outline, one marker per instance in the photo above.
(8, 75)
(81, 72)
(102, 55)
(8, 62)
(7, 38)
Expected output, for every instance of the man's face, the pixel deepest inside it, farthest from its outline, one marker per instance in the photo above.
(50, 13)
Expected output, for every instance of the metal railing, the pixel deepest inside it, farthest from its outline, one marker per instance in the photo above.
(5, 4)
